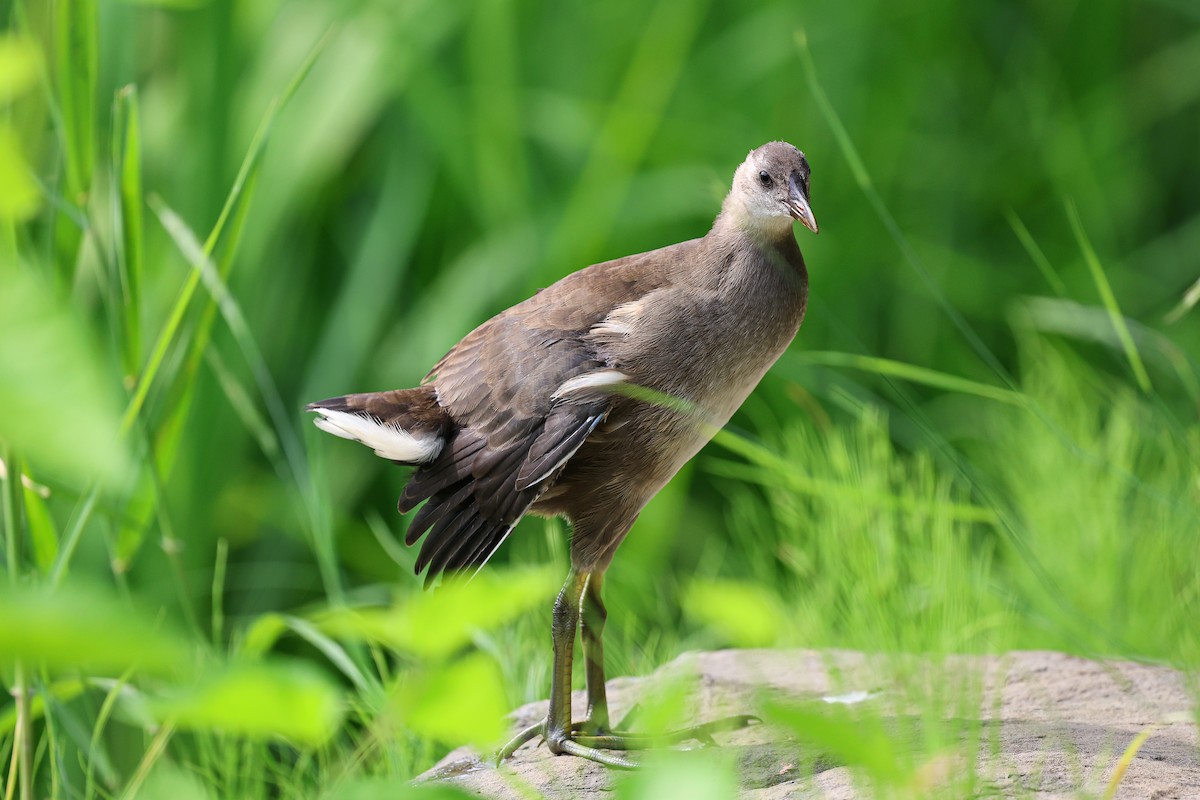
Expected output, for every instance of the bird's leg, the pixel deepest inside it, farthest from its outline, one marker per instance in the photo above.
(557, 728)
(579, 600)
(593, 617)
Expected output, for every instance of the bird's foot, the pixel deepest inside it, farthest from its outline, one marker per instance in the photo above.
(590, 740)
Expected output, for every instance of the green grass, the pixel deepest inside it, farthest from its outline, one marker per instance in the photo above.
(985, 437)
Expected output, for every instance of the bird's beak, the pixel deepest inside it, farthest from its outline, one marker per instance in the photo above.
(798, 205)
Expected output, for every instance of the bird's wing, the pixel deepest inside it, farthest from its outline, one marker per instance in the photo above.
(523, 391)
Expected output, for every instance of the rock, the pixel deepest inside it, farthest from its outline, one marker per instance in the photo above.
(1023, 724)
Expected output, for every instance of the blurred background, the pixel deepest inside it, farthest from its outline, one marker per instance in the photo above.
(984, 437)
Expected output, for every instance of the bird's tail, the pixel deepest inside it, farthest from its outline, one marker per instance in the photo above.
(407, 426)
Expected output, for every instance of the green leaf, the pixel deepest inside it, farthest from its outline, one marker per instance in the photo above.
(852, 739)
(392, 789)
(19, 59)
(694, 775)
(73, 628)
(168, 782)
(266, 630)
(746, 615)
(56, 406)
(456, 703)
(260, 700)
(436, 624)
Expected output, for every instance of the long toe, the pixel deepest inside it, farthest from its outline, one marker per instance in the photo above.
(521, 738)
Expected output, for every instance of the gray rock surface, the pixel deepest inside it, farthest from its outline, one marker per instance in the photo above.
(1025, 724)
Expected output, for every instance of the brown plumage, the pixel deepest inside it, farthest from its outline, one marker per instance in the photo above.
(543, 408)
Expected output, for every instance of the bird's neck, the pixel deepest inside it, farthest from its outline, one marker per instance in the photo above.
(735, 218)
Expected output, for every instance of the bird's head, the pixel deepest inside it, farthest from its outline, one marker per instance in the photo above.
(770, 189)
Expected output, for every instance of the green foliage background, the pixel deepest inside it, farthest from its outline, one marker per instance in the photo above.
(985, 436)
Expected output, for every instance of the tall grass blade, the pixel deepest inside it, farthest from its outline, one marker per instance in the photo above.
(1036, 254)
(863, 178)
(43, 534)
(127, 207)
(908, 372)
(1109, 299)
(1189, 300)
(76, 48)
(233, 203)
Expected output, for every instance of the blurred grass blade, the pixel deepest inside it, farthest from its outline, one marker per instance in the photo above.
(1186, 303)
(79, 520)
(1036, 255)
(771, 469)
(56, 406)
(1094, 324)
(456, 703)
(127, 206)
(259, 700)
(73, 628)
(859, 169)
(76, 49)
(436, 624)
(242, 403)
(234, 202)
(266, 630)
(1110, 301)
(64, 691)
(634, 114)
(908, 372)
(1114, 783)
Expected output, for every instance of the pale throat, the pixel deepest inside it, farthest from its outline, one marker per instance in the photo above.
(756, 221)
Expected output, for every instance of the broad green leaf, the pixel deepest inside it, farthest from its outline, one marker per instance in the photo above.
(71, 628)
(394, 789)
(262, 634)
(456, 703)
(695, 775)
(18, 66)
(266, 630)
(20, 196)
(56, 406)
(746, 615)
(168, 782)
(849, 737)
(437, 623)
(260, 700)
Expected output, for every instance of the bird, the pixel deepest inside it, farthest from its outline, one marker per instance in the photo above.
(583, 401)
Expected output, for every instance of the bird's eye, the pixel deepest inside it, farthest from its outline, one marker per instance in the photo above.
(764, 177)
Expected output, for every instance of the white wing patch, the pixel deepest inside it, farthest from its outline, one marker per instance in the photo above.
(388, 441)
(589, 380)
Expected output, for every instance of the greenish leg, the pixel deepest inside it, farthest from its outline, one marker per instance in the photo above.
(594, 615)
(578, 602)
